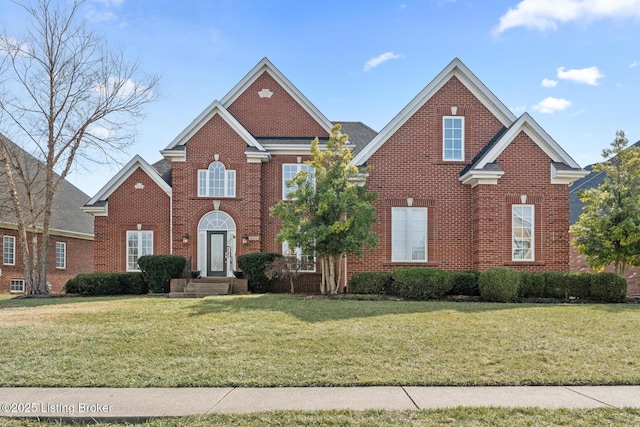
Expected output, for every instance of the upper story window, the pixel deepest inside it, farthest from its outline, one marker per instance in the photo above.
(290, 170)
(9, 250)
(522, 217)
(216, 181)
(453, 138)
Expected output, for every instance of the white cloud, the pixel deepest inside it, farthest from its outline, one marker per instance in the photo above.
(13, 46)
(110, 3)
(545, 15)
(519, 109)
(551, 105)
(97, 16)
(121, 88)
(549, 83)
(374, 62)
(588, 76)
(634, 64)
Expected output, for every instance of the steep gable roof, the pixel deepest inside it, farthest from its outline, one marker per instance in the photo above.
(455, 69)
(564, 169)
(97, 205)
(215, 108)
(265, 66)
(67, 218)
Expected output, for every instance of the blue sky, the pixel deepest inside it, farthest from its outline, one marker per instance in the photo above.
(573, 65)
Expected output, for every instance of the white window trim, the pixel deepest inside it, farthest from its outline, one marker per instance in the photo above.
(62, 245)
(228, 174)
(139, 233)
(410, 233)
(16, 281)
(443, 139)
(297, 253)
(533, 233)
(286, 190)
(13, 244)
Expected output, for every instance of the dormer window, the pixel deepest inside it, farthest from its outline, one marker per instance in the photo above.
(453, 138)
(216, 181)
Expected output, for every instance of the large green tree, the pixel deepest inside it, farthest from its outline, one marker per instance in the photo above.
(329, 213)
(608, 231)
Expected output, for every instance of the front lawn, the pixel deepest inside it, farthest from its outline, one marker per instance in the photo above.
(283, 340)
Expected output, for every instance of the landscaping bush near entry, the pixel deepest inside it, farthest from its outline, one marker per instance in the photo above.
(499, 284)
(422, 283)
(608, 287)
(370, 282)
(253, 266)
(158, 270)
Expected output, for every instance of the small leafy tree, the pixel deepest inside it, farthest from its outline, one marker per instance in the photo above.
(330, 213)
(608, 231)
(285, 268)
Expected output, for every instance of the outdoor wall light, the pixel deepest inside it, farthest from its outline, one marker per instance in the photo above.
(185, 238)
(245, 239)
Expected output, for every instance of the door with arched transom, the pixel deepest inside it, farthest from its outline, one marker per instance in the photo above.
(216, 244)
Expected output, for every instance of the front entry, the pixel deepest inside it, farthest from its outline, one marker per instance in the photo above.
(217, 250)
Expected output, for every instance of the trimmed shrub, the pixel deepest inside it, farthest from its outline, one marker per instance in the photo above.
(608, 287)
(369, 282)
(578, 284)
(465, 283)
(421, 283)
(253, 266)
(532, 285)
(499, 284)
(158, 270)
(556, 285)
(92, 284)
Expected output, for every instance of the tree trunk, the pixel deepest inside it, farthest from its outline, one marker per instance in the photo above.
(621, 267)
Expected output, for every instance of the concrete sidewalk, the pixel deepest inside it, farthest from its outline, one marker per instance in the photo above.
(144, 403)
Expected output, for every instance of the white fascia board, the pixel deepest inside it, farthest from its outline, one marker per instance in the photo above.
(175, 155)
(97, 210)
(266, 66)
(293, 149)
(475, 177)
(541, 138)
(124, 173)
(257, 157)
(455, 69)
(214, 108)
(563, 176)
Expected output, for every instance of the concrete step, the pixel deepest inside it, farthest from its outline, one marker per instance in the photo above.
(205, 289)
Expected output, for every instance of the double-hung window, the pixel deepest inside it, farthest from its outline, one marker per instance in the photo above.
(61, 255)
(289, 171)
(216, 181)
(9, 250)
(139, 243)
(522, 231)
(307, 262)
(453, 138)
(409, 234)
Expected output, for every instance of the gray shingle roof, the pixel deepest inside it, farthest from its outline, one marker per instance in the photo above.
(359, 134)
(592, 180)
(67, 214)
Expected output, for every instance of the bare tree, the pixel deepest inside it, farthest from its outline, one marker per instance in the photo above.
(66, 97)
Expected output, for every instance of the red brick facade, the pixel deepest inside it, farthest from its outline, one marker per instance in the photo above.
(79, 259)
(258, 127)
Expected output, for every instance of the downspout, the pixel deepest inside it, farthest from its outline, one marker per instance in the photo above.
(171, 223)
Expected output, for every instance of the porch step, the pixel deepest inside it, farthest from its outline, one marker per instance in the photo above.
(199, 288)
(204, 289)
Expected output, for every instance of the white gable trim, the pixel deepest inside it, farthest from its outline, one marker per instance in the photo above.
(121, 177)
(266, 66)
(214, 108)
(541, 138)
(455, 69)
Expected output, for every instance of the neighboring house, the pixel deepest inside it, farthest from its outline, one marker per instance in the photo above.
(462, 183)
(578, 261)
(70, 249)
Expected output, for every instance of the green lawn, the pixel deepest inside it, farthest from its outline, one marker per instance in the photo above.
(458, 417)
(283, 340)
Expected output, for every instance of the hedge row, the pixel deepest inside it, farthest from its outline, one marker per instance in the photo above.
(253, 266)
(91, 284)
(494, 284)
(157, 272)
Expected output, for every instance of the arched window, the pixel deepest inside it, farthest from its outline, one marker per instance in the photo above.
(216, 181)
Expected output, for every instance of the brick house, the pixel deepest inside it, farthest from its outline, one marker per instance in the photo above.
(70, 248)
(462, 183)
(577, 260)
